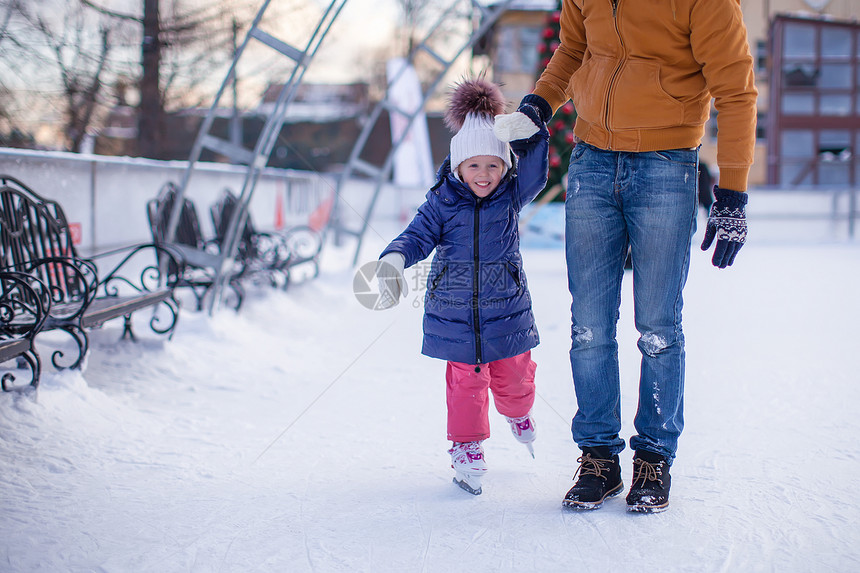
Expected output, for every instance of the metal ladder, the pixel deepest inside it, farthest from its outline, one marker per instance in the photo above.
(255, 159)
(485, 16)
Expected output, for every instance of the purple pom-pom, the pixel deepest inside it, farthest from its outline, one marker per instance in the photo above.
(476, 96)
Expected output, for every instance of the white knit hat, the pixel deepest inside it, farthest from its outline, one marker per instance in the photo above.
(475, 138)
(471, 113)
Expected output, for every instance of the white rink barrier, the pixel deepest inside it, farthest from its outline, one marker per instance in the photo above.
(105, 197)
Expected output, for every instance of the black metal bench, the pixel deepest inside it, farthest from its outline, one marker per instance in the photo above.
(259, 253)
(200, 259)
(305, 245)
(35, 239)
(276, 252)
(24, 304)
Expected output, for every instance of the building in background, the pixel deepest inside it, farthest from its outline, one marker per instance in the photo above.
(512, 45)
(807, 50)
(814, 102)
(319, 131)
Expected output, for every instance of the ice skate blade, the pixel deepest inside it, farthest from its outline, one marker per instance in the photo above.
(531, 449)
(469, 483)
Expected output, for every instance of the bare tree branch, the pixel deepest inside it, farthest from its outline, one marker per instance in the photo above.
(75, 58)
(111, 13)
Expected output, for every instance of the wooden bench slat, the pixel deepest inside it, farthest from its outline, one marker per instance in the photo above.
(107, 308)
(197, 258)
(13, 348)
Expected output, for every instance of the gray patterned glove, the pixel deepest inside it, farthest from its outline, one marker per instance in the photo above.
(727, 223)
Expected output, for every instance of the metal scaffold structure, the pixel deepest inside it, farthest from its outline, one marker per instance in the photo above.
(299, 58)
(441, 46)
(442, 49)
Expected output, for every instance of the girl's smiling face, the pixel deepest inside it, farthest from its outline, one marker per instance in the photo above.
(482, 173)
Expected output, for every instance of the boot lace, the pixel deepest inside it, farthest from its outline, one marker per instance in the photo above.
(647, 472)
(591, 466)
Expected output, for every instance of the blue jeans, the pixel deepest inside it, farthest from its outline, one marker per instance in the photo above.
(647, 201)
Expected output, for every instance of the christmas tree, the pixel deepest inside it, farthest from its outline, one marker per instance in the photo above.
(561, 125)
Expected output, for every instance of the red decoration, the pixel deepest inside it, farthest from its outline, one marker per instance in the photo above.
(561, 128)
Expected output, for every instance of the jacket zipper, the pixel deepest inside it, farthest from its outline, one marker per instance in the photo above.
(475, 274)
(615, 73)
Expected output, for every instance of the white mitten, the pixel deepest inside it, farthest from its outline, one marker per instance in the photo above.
(513, 126)
(392, 283)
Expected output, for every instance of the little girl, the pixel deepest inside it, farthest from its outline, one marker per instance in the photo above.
(477, 309)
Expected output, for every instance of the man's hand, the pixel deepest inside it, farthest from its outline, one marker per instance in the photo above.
(727, 223)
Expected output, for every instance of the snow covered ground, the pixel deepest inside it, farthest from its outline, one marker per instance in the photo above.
(307, 433)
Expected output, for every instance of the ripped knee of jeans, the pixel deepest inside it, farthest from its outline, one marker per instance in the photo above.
(652, 343)
(582, 335)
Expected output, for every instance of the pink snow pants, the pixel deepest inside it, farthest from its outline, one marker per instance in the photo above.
(512, 381)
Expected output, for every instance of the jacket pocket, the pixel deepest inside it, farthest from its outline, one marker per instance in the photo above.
(434, 282)
(589, 85)
(653, 107)
(514, 271)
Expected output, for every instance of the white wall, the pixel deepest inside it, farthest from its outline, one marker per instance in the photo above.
(107, 195)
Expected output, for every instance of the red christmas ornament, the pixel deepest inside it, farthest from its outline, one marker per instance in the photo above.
(561, 129)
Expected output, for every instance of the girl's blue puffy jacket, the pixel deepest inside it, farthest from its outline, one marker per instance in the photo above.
(477, 308)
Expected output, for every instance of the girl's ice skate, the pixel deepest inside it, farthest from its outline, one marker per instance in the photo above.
(467, 459)
(523, 429)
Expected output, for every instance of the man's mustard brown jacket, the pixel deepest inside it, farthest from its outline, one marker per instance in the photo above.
(641, 74)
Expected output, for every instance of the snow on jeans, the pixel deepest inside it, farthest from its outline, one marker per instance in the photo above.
(646, 200)
(512, 381)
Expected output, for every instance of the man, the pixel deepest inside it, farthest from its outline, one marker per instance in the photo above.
(641, 74)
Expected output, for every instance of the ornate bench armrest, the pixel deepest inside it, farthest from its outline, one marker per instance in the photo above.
(142, 268)
(24, 304)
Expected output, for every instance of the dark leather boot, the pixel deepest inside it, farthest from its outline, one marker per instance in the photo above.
(651, 481)
(599, 478)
